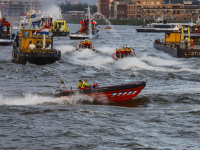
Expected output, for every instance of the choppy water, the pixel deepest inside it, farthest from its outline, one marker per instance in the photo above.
(165, 115)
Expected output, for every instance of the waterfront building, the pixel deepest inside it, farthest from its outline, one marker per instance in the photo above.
(16, 8)
(136, 9)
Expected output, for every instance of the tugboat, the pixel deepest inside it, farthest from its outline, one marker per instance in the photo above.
(6, 36)
(123, 53)
(59, 26)
(35, 46)
(84, 32)
(118, 93)
(85, 44)
(108, 28)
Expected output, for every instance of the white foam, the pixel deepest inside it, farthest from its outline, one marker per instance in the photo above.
(136, 63)
(65, 48)
(160, 61)
(30, 99)
(90, 58)
(106, 50)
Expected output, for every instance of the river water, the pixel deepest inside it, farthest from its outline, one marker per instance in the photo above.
(163, 116)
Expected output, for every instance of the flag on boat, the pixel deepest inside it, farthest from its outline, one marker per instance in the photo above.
(36, 23)
(44, 30)
(32, 16)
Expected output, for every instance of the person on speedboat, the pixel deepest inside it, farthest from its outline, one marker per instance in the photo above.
(89, 43)
(123, 52)
(117, 52)
(79, 85)
(85, 85)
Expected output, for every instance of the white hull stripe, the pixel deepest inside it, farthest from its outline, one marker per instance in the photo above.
(123, 93)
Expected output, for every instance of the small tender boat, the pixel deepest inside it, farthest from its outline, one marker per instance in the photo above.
(85, 44)
(118, 93)
(127, 53)
(108, 28)
(85, 32)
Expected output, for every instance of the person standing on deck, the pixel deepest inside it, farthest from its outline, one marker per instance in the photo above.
(196, 30)
(186, 42)
(191, 43)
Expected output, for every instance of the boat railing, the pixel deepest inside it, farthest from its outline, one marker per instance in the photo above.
(31, 37)
(41, 50)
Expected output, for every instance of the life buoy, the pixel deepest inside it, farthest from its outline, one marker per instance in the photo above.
(179, 26)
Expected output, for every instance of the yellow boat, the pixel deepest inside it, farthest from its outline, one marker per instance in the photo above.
(59, 28)
(34, 48)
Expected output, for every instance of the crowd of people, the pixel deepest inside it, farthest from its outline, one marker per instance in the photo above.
(123, 52)
(83, 85)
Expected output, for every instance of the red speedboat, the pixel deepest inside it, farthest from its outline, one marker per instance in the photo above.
(85, 44)
(120, 57)
(118, 93)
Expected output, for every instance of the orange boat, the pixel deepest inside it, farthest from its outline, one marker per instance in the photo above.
(118, 93)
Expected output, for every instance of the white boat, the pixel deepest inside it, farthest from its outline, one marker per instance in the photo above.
(36, 15)
(164, 27)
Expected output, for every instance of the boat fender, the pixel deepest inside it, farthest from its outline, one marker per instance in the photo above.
(93, 47)
(12, 54)
(115, 57)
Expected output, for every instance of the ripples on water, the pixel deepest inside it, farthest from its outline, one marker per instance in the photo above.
(163, 116)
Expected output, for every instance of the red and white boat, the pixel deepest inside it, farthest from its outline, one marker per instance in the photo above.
(132, 54)
(6, 36)
(85, 44)
(118, 93)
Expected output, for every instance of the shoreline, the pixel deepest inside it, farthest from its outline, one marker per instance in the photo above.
(122, 21)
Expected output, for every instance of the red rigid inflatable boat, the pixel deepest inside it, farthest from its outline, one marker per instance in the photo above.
(117, 93)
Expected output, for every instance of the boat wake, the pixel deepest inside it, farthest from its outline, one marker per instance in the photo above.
(65, 48)
(148, 63)
(30, 99)
(90, 58)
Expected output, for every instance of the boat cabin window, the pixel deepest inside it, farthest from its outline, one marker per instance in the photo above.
(39, 44)
(29, 42)
(162, 26)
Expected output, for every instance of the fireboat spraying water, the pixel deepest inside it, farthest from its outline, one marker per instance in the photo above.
(87, 29)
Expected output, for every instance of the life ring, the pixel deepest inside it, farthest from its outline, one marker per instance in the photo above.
(179, 26)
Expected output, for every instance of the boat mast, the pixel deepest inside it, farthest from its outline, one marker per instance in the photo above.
(30, 16)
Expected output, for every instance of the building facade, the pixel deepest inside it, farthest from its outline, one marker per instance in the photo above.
(16, 8)
(104, 7)
(152, 9)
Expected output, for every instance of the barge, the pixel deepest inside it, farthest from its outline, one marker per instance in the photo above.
(180, 45)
